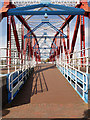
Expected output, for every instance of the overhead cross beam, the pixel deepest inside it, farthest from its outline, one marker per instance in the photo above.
(62, 12)
(61, 7)
(47, 36)
(48, 23)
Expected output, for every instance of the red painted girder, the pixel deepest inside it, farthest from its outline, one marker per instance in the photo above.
(64, 44)
(4, 9)
(9, 37)
(22, 38)
(26, 42)
(15, 33)
(75, 35)
(6, 6)
(22, 46)
(29, 46)
(82, 38)
(68, 36)
(35, 53)
(85, 6)
(31, 51)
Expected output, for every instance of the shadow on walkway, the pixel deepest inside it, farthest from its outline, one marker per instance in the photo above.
(35, 102)
(46, 68)
(87, 114)
(30, 88)
(42, 86)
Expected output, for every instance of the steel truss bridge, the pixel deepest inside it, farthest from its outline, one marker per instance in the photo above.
(46, 32)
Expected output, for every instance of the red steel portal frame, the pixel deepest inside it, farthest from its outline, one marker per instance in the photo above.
(68, 49)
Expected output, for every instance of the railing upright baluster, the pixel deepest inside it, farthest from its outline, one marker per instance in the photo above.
(15, 61)
(8, 64)
(76, 79)
(20, 60)
(83, 88)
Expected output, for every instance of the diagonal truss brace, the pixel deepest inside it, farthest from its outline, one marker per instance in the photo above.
(48, 23)
(45, 38)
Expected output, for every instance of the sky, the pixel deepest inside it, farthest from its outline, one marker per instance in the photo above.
(3, 32)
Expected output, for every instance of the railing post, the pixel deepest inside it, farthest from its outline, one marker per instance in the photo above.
(23, 62)
(66, 68)
(70, 67)
(64, 64)
(87, 65)
(8, 63)
(18, 80)
(76, 79)
(15, 60)
(20, 60)
(11, 87)
(73, 59)
(79, 64)
(83, 87)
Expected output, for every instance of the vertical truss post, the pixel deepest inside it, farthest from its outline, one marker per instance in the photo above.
(53, 54)
(22, 42)
(35, 52)
(75, 35)
(39, 55)
(55, 50)
(29, 48)
(68, 36)
(61, 51)
(9, 38)
(32, 48)
(82, 39)
(25, 49)
(65, 49)
(60, 47)
(58, 50)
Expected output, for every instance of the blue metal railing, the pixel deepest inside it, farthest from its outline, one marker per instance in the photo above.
(78, 79)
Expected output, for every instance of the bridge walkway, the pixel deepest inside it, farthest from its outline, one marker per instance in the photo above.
(46, 94)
